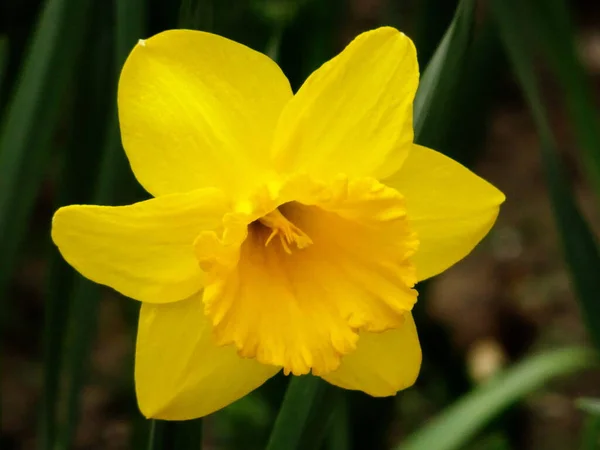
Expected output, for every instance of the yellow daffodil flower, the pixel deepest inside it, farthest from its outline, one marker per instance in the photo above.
(286, 231)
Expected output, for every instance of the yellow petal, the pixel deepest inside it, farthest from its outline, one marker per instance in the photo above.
(354, 114)
(144, 250)
(180, 373)
(383, 363)
(308, 276)
(198, 110)
(449, 207)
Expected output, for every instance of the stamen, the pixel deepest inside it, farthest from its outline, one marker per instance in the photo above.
(271, 236)
(288, 232)
(284, 245)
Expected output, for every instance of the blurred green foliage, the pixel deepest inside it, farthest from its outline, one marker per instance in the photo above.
(59, 138)
(579, 242)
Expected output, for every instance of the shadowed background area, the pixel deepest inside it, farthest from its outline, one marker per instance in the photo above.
(513, 95)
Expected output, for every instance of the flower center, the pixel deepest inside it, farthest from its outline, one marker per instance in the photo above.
(304, 312)
(288, 232)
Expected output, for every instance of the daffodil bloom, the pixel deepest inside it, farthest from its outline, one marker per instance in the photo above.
(287, 231)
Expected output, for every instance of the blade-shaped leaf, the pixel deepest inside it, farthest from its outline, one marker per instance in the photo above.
(31, 117)
(580, 246)
(590, 405)
(175, 435)
(440, 78)
(339, 435)
(3, 61)
(89, 113)
(130, 20)
(304, 415)
(459, 423)
(551, 22)
(590, 435)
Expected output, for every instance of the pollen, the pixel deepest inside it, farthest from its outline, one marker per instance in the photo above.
(287, 232)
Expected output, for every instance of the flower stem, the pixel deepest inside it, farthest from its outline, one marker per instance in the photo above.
(175, 435)
(304, 416)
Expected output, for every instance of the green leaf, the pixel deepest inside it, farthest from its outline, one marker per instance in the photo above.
(551, 22)
(31, 118)
(278, 12)
(431, 19)
(3, 60)
(589, 405)
(339, 435)
(436, 109)
(130, 22)
(590, 435)
(437, 86)
(154, 440)
(175, 435)
(304, 415)
(196, 15)
(130, 19)
(301, 53)
(579, 244)
(89, 113)
(459, 423)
